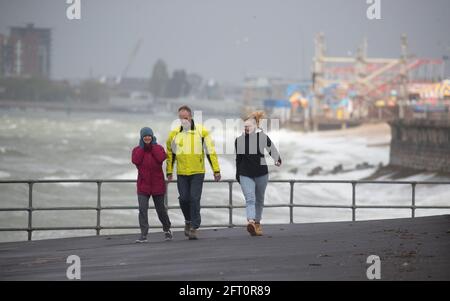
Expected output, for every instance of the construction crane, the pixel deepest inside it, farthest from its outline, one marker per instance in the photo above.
(130, 61)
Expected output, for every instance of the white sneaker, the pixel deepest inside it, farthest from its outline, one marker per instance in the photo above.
(168, 235)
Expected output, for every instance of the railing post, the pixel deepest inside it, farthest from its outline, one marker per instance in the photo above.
(230, 204)
(30, 210)
(353, 201)
(99, 206)
(291, 203)
(413, 200)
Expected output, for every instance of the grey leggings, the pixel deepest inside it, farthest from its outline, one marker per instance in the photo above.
(161, 210)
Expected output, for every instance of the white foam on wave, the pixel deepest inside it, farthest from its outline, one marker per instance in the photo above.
(8, 126)
(113, 160)
(4, 174)
(303, 152)
(129, 175)
(98, 122)
(132, 136)
(70, 177)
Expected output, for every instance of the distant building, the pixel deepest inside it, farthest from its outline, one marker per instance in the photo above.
(26, 52)
(256, 89)
(132, 84)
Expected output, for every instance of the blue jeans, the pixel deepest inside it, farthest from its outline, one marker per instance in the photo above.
(190, 193)
(254, 189)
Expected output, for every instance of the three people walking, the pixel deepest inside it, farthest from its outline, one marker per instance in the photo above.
(187, 146)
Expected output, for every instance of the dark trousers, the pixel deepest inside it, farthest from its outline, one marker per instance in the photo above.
(161, 210)
(190, 193)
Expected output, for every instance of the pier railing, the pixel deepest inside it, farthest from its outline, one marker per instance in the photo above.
(353, 206)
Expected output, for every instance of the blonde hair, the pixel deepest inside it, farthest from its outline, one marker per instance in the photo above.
(257, 115)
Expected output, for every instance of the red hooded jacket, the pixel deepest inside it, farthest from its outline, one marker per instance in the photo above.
(149, 162)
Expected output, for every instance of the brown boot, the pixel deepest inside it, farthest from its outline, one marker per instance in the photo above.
(258, 229)
(251, 228)
(193, 234)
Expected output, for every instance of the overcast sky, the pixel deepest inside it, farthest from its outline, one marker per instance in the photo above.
(225, 39)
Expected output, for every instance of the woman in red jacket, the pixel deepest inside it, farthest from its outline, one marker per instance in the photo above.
(148, 158)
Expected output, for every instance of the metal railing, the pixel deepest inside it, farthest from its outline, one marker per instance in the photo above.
(291, 205)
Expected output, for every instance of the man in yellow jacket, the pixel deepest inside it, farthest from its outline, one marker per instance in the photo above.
(187, 146)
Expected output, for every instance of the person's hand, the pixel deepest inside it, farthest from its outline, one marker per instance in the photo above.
(217, 177)
(278, 163)
(169, 177)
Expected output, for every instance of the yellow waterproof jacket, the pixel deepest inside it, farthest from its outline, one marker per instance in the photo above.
(188, 148)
